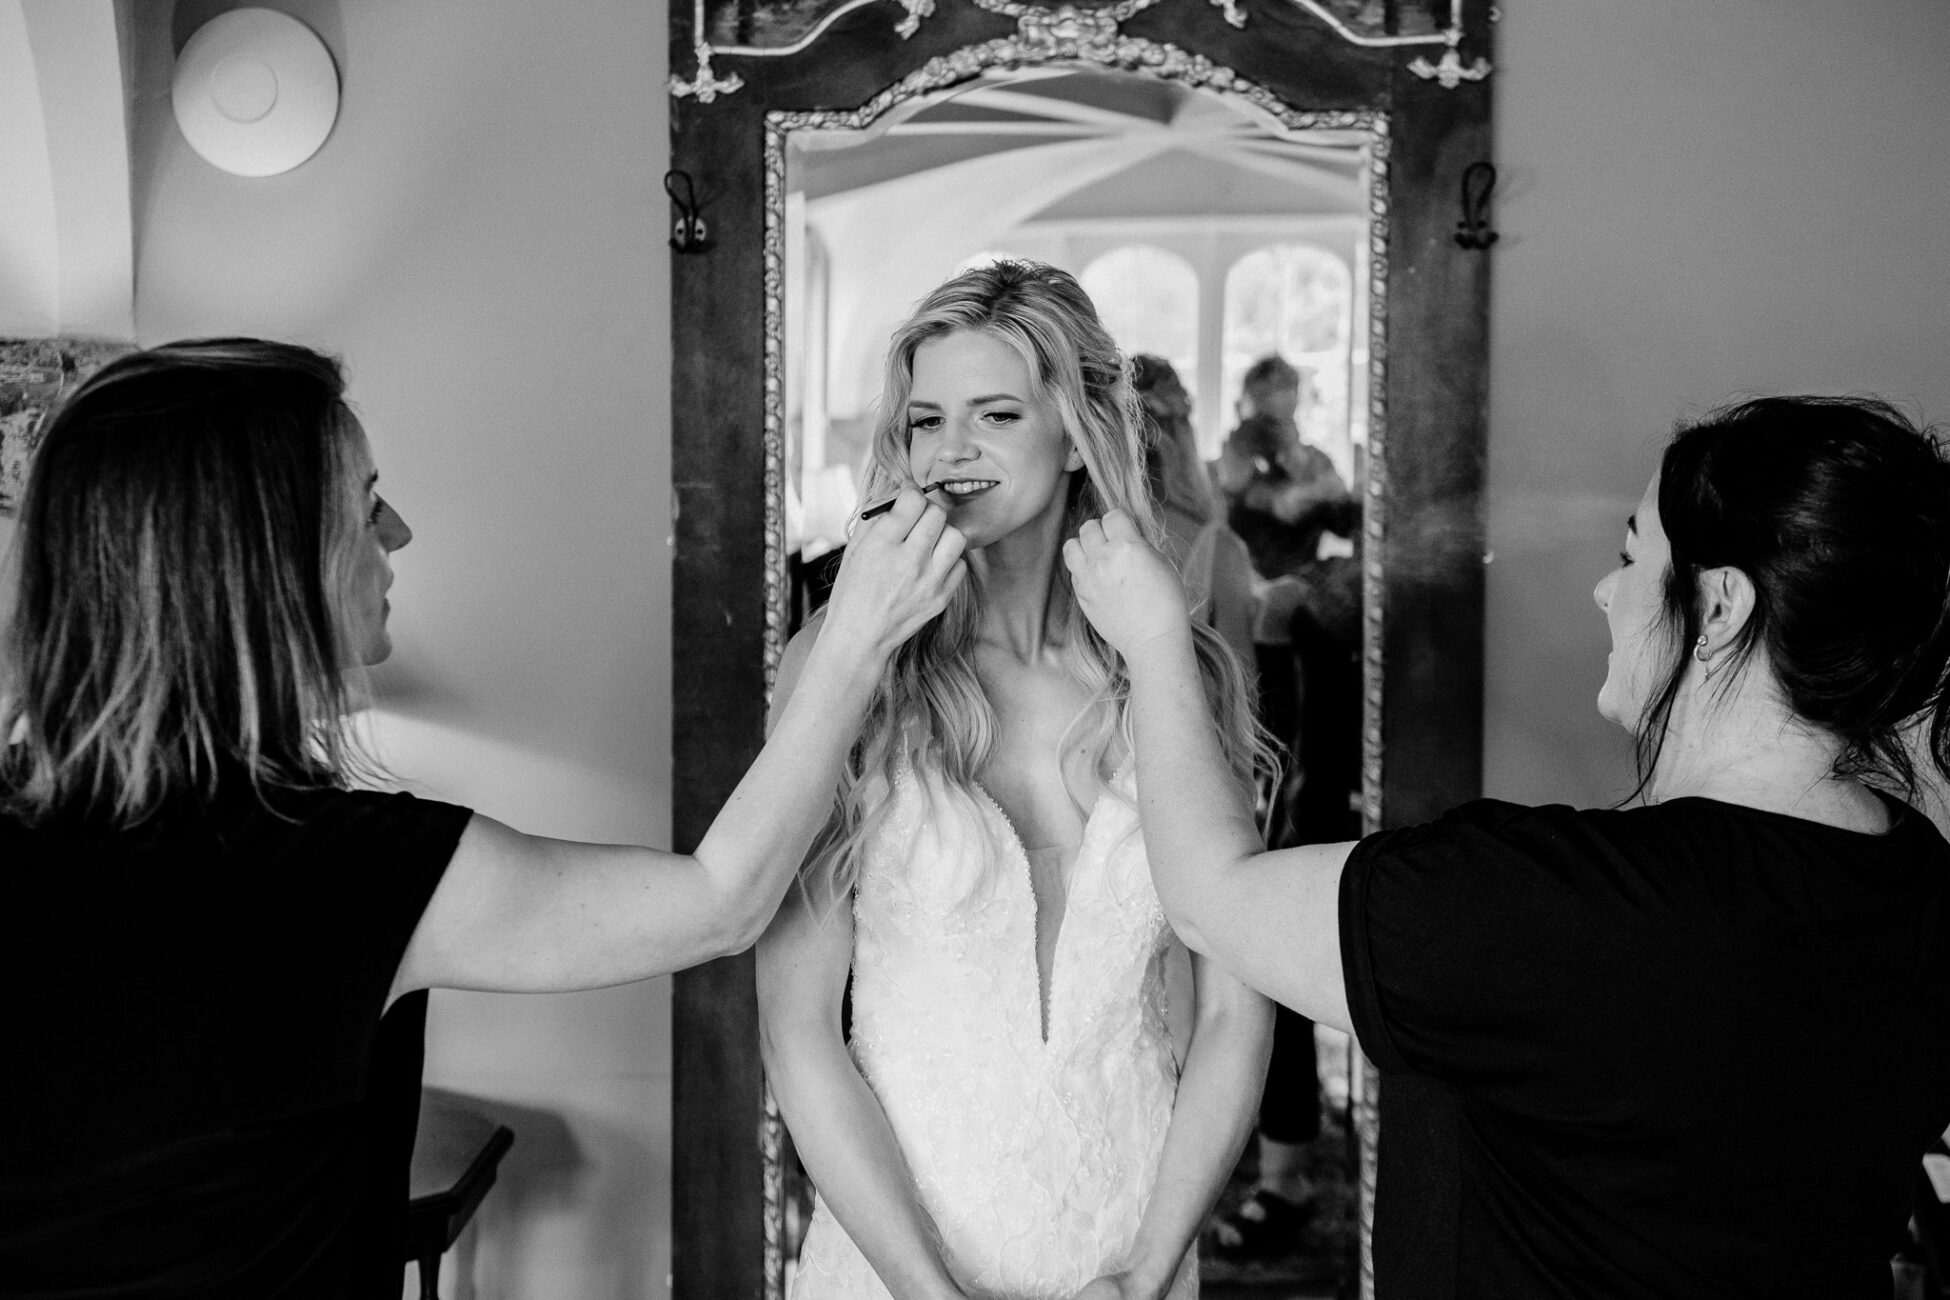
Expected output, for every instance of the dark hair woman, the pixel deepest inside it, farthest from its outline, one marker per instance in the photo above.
(1609, 1036)
(202, 923)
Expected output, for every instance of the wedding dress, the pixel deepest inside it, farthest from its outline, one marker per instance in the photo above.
(1034, 1156)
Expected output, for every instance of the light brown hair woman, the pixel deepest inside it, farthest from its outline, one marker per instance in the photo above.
(201, 921)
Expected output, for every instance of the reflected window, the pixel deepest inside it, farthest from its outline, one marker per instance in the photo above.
(1296, 300)
(1148, 300)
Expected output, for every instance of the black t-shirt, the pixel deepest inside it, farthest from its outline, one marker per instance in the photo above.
(1686, 1050)
(197, 1099)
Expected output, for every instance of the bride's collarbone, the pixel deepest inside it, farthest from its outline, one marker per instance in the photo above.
(1041, 771)
(1046, 796)
(1032, 795)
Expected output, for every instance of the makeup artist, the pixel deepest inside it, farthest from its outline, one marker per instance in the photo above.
(1693, 1047)
(201, 921)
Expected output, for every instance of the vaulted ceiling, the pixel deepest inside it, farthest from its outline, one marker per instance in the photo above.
(66, 245)
(1153, 147)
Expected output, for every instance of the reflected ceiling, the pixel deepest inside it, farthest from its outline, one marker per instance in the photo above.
(1151, 146)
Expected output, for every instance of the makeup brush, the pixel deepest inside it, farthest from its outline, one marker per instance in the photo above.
(875, 511)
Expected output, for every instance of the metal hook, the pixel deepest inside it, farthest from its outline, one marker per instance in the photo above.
(688, 233)
(1473, 231)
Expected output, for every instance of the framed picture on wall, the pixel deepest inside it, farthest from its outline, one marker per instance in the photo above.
(35, 374)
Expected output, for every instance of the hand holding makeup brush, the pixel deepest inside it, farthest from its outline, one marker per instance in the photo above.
(875, 511)
(901, 566)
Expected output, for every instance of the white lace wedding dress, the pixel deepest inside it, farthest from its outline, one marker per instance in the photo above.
(1033, 1157)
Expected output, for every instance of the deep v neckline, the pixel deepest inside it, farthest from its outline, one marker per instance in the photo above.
(1046, 992)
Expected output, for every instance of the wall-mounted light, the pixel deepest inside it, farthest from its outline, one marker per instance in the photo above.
(256, 92)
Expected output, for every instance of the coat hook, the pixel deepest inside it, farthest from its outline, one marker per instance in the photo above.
(1473, 231)
(688, 233)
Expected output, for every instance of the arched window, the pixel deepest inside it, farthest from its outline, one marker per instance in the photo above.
(1296, 300)
(1148, 300)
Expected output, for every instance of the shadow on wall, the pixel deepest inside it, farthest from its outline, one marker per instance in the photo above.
(322, 16)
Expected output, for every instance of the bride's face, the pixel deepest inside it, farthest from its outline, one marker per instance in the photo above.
(975, 423)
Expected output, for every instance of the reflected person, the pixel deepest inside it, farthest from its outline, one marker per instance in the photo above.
(1285, 496)
(1211, 559)
(1692, 1047)
(1282, 492)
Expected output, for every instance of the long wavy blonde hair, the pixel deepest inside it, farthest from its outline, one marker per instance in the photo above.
(929, 709)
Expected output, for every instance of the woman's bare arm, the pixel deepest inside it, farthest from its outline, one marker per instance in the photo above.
(1271, 918)
(522, 913)
(1216, 1108)
(1232, 596)
(837, 1124)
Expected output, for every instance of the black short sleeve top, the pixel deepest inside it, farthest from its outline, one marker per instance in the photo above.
(1692, 1049)
(191, 1013)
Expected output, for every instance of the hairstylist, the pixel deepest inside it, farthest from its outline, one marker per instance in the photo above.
(1694, 1047)
(201, 922)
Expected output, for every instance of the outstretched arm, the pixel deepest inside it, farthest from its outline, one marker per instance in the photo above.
(1233, 604)
(837, 1124)
(1269, 918)
(521, 913)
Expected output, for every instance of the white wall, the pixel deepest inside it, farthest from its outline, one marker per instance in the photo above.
(482, 239)
(64, 170)
(1698, 201)
(29, 248)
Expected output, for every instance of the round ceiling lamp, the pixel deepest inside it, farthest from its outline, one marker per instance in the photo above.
(256, 92)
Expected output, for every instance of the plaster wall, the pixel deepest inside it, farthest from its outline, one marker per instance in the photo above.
(28, 248)
(481, 238)
(1698, 202)
(64, 210)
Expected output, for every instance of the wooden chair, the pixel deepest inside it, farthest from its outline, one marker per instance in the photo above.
(451, 1173)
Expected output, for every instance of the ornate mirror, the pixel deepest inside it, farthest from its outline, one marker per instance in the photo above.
(1227, 179)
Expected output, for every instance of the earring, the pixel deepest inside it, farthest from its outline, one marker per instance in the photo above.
(1706, 660)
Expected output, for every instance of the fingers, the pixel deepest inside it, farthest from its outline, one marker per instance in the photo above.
(1114, 526)
(949, 544)
(910, 509)
(956, 576)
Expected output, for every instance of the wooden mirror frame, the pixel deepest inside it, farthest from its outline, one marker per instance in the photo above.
(1423, 580)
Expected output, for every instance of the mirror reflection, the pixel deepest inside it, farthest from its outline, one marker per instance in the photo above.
(1227, 258)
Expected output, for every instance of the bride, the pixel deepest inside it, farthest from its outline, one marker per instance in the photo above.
(1011, 1120)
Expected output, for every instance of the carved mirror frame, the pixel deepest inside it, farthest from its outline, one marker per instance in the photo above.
(1423, 122)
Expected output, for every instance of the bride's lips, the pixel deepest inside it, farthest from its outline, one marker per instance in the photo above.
(957, 490)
